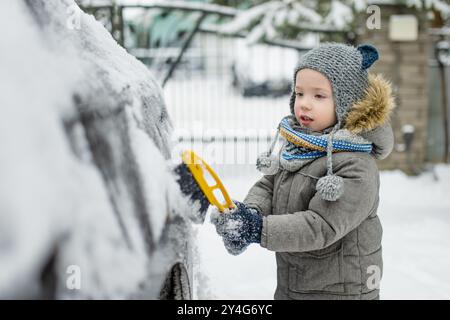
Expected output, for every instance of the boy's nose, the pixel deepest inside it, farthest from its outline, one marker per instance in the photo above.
(304, 106)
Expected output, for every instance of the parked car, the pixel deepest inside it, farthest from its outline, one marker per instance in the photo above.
(251, 79)
(89, 206)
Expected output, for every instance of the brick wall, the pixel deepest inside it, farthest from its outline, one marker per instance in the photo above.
(405, 64)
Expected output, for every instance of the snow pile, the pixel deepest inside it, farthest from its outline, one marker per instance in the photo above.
(53, 199)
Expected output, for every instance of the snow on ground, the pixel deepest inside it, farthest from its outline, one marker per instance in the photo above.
(414, 212)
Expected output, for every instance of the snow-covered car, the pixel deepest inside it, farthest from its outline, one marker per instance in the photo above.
(273, 79)
(89, 204)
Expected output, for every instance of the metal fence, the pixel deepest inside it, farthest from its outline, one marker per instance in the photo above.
(225, 99)
(227, 109)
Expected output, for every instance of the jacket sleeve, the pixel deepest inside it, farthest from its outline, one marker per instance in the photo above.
(382, 138)
(260, 195)
(325, 222)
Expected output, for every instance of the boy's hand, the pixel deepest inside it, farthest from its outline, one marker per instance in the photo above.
(238, 229)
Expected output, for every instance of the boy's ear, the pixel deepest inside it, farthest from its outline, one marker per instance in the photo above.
(369, 55)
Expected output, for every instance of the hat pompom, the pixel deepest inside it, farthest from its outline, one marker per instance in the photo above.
(267, 163)
(330, 187)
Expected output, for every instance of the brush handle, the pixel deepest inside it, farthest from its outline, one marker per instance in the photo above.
(198, 167)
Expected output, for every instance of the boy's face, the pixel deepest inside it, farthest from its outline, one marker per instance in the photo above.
(314, 100)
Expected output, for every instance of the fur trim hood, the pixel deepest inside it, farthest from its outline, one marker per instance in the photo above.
(374, 109)
(370, 116)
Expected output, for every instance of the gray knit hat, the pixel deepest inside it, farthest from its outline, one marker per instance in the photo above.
(346, 68)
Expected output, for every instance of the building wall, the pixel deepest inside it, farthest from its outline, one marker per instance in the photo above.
(405, 64)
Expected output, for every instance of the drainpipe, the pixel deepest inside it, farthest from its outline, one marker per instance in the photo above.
(441, 50)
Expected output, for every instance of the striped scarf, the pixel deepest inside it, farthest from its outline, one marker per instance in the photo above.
(302, 145)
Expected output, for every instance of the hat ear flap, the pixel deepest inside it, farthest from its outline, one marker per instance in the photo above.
(369, 55)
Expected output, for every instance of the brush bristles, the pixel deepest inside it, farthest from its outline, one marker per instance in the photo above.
(190, 187)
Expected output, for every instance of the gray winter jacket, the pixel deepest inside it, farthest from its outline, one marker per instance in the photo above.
(328, 249)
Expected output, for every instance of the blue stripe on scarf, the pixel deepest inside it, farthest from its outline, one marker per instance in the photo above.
(322, 142)
(308, 155)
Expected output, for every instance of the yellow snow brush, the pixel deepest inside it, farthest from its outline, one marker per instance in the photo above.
(199, 170)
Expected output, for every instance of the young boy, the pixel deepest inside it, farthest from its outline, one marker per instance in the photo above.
(318, 209)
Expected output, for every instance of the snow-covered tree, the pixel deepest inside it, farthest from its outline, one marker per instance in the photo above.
(441, 6)
(270, 19)
(267, 20)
